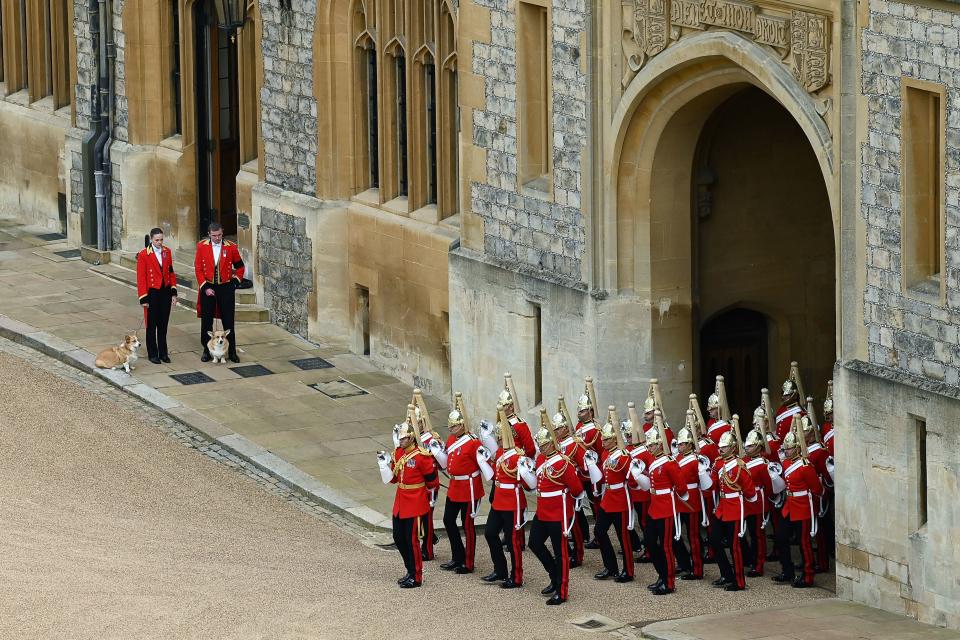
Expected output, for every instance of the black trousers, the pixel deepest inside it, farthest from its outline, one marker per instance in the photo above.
(406, 534)
(680, 551)
(225, 295)
(726, 533)
(658, 538)
(504, 522)
(461, 554)
(556, 564)
(620, 521)
(158, 318)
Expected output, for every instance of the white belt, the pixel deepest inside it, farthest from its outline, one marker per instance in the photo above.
(472, 475)
(503, 485)
(619, 485)
(673, 503)
(797, 494)
(473, 500)
(662, 492)
(731, 495)
(692, 485)
(553, 494)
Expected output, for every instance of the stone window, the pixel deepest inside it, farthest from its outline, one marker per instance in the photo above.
(173, 57)
(365, 81)
(61, 32)
(923, 186)
(13, 14)
(448, 126)
(46, 33)
(533, 93)
(248, 44)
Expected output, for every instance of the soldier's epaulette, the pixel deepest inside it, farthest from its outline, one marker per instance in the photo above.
(229, 243)
(205, 241)
(424, 451)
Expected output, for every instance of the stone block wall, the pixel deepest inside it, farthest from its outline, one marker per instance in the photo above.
(285, 261)
(288, 108)
(908, 332)
(539, 233)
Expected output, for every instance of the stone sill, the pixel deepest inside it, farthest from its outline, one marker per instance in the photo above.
(399, 205)
(929, 290)
(252, 166)
(174, 143)
(538, 188)
(429, 214)
(523, 270)
(370, 197)
(898, 376)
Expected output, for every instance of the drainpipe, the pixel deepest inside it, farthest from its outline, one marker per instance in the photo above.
(91, 140)
(102, 166)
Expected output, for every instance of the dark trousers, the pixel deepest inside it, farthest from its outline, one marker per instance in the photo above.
(426, 547)
(158, 317)
(504, 522)
(788, 530)
(225, 295)
(406, 535)
(726, 533)
(690, 560)
(658, 537)
(757, 554)
(556, 564)
(461, 554)
(620, 521)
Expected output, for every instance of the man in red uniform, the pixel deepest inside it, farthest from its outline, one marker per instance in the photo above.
(736, 490)
(459, 459)
(219, 269)
(799, 515)
(669, 493)
(427, 437)
(521, 430)
(412, 469)
(558, 488)
(157, 290)
(758, 511)
(817, 454)
(574, 449)
(696, 474)
(616, 508)
(507, 506)
(789, 407)
(650, 406)
(588, 432)
(639, 454)
(716, 425)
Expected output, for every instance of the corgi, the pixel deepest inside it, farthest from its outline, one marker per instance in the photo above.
(124, 355)
(217, 345)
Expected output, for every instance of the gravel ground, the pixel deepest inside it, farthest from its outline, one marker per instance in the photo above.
(118, 522)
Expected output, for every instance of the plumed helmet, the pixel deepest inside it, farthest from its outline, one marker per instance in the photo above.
(789, 388)
(455, 419)
(684, 436)
(584, 404)
(790, 441)
(806, 424)
(828, 406)
(653, 437)
(759, 416)
(544, 437)
(404, 430)
(559, 421)
(504, 399)
(754, 439)
(608, 430)
(713, 402)
(727, 440)
(649, 404)
(626, 430)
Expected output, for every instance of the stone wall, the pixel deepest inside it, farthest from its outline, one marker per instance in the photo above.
(288, 108)
(910, 332)
(285, 261)
(539, 233)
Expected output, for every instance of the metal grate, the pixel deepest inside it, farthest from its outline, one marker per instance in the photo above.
(308, 364)
(338, 389)
(48, 237)
(251, 371)
(195, 377)
(69, 254)
(589, 624)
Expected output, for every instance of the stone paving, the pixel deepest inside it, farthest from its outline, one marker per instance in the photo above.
(330, 441)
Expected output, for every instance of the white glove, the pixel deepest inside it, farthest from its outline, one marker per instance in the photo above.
(441, 456)
(486, 428)
(527, 473)
(590, 461)
(486, 437)
(578, 501)
(396, 436)
(636, 470)
(674, 449)
(830, 464)
(706, 481)
(386, 470)
(778, 484)
(704, 463)
(590, 457)
(483, 457)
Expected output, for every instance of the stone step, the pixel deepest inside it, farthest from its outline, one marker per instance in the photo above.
(244, 312)
(129, 261)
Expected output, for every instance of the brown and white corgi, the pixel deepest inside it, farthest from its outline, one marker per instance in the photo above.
(124, 355)
(217, 345)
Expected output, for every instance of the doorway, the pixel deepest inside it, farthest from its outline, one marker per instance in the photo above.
(734, 344)
(218, 127)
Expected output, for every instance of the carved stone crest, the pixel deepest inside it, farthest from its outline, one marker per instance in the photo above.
(808, 50)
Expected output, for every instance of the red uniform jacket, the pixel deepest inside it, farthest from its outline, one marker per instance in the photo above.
(509, 495)
(649, 425)
(640, 453)
(709, 450)
(690, 468)
(666, 483)
(521, 435)
(557, 485)
(574, 448)
(414, 473)
(761, 480)
(466, 485)
(230, 267)
(590, 436)
(150, 275)
(803, 486)
(785, 419)
(774, 455)
(619, 487)
(734, 488)
(828, 436)
(716, 428)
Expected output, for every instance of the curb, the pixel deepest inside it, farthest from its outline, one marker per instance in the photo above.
(246, 449)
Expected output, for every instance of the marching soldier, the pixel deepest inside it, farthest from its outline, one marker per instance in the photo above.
(521, 430)
(219, 270)
(464, 493)
(157, 290)
(587, 431)
(772, 447)
(418, 412)
(790, 402)
(798, 511)
(718, 424)
(767, 485)
(828, 430)
(412, 469)
(573, 448)
(669, 493)
(696, 473)
(509, 503)
(736, 489)
(636, 448)
(559, 490)
(651, 405)
(818, 456)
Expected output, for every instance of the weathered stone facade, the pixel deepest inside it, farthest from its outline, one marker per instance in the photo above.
(284, 262)
(288, 107)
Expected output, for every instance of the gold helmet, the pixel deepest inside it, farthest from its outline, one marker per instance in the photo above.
(789, 388)
(455, 419)
(562, 410)
(559, 421)
(727, 440)
(404, 430)
(713, 401)
(609, 430)
(653, 437)
(588, 401)
(720, 390)
(793, 384)
(754, 439)
(653, 401)
(684, 436)
(790, 441)
(759, 415)
(612, 427)
(583, 404)
(828, 401)
(649, 404)
(658, 435)
(504, 431)
(545, 435)
(504, 399)
(806, 424)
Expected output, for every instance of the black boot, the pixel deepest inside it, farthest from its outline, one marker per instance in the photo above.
(603, 575)
(592, 544)
(556, 599)
(733, 586)
(655, 585)
(720, 582)
(662, 591)
(450, 566)
(623, 576)
(800, 583)
(493, 577)
(409, 584)
(547, 590)
(509, 584)
(783, 577)
(406, 576)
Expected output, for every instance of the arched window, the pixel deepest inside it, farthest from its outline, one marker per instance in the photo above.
(367, 121)
(14, 17)
(249, 87)
(395, 120)
(422, 36)
(448, 115)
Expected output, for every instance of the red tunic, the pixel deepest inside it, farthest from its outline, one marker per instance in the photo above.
(640, 453)
(521, 435)
(733, 500)
(828, 436)
(574, 448)
(774, 455)
(666, 483)
(557, 485)
(817, 455)
(690, 467)
(761, 480)
(669, 433)
(785, 419)
(229, 267)
(619, 487)
(463, 468)
(414, 473)
(151, 275)
(591, 436)
(709, 450)
(509, 495)
(716, 428)
(803, 486)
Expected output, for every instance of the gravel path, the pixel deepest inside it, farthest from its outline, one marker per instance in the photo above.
(120, 523)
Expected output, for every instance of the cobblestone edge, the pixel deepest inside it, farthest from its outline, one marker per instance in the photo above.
(250, 453)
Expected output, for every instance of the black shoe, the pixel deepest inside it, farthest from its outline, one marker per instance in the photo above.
(450, 566)
(753, 573)
(623, 577)
(644, 559)
(655, 585)
(493, 577)
(233, 358)
(547, 590)
(733, 586)
(206, 357)
(509, 584)
(154, 360)
(603, 575)
(799, 583)
(782, 577)
(406, 576)
(462, 570)
(409, 584)
(689, 576)
(165, 359)
(573, 563)
(661, 591)
(556, 599)
(436, 538)
(592, 544)
(720, 582)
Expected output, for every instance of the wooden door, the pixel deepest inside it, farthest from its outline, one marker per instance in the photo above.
(734, 345)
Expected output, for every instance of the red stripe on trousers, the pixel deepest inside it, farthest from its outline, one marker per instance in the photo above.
(417, 557)
(671, 562)
(760, 538)
(625, 543)
(517, 554)
(564, 568)
(806, 548)
(428, 536)
(577, 541)
(696, 553)
(470, 533)
(737, 549)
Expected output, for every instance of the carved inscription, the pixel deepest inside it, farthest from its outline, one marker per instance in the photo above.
(729, 15)
(686, 13)
(808, 49)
